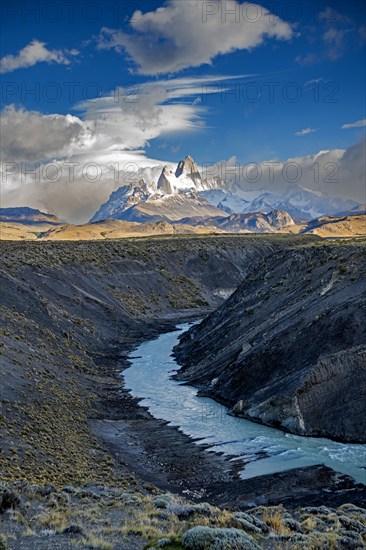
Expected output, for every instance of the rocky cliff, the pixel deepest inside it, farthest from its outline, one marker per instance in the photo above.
(287, 348)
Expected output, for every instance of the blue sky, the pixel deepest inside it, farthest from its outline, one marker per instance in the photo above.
(297, 69)
(250, 126)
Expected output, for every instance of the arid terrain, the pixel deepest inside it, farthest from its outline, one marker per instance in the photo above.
(71, 312)
(275, 222)
(108, 229)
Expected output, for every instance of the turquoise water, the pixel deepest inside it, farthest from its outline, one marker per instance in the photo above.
(264, 450)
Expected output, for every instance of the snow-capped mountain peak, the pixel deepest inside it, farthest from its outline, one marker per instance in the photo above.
(188, 167)
(187, 177)
(185, 184)
(165, 183)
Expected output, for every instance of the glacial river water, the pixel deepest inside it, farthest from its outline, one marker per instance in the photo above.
(265, 450)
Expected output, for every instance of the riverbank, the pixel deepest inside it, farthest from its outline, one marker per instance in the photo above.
(160, 453)
(71, 313)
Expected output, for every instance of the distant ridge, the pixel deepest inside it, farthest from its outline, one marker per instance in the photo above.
(256, 222)
(23, 214)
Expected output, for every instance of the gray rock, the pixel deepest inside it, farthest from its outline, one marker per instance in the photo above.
(289, 351)
(73, 529)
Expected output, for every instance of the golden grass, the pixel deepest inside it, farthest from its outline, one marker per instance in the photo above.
(57, 520)
(274, 520)
(29, 533)
(108, 229)
(97, 542)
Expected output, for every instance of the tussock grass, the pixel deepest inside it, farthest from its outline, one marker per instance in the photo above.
(274, 520)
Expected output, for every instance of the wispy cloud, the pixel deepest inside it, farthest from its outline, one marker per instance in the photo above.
(308, 59)
(310, 84)
(335, 42)
(335, 34)
(331, 16)
(305, 131)
(35, 52)
(115, 130)
(357, 124)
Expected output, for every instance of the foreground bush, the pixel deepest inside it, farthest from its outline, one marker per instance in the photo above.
(207, 538)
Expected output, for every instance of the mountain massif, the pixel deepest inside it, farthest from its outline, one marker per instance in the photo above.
(184, 198)
(185, 193)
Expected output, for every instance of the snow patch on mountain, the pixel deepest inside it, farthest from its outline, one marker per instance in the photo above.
(228, 202)
(298, 202)
(186, 179)
(165, 181)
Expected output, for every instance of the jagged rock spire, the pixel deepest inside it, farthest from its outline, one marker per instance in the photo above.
(164, 183)
(188, 167)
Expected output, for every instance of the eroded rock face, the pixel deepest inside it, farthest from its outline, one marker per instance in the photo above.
(287, 349)
(279, 219)
(188, 167)
(164, 184)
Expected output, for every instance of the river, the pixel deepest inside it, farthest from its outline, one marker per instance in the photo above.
(262, 449)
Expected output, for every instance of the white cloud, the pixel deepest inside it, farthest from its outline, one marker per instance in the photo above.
(357, 124)
(352, 169)
(191, 33)
(310, 84)
(337, 172)
(30, 136)
(35, 52)
(114, 129)
(305, 131)
(125, 120)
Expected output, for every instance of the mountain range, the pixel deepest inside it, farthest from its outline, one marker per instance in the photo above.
(30, 228)
(185, 194)
(184, 197)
